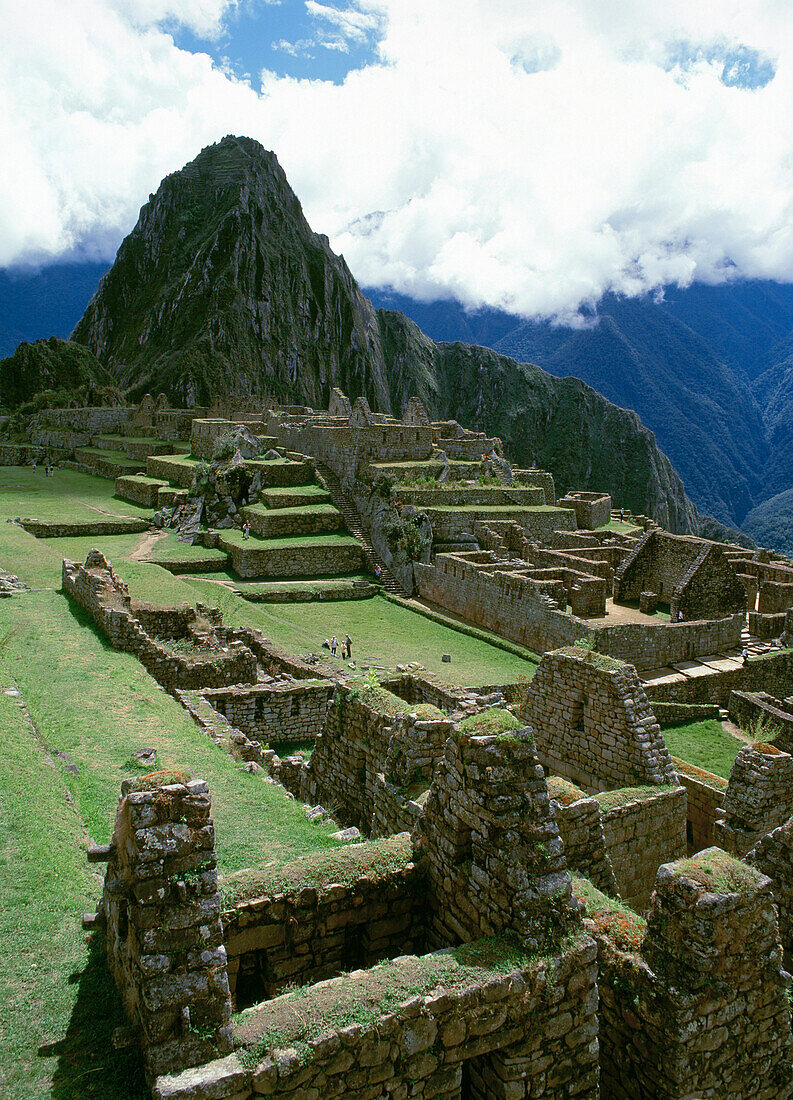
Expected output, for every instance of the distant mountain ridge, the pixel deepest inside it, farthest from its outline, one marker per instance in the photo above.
(222, 287)
(708, 369)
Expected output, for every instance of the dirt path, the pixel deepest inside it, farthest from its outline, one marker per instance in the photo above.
(146, 544)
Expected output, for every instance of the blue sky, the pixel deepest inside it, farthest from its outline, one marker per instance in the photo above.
(319, 41)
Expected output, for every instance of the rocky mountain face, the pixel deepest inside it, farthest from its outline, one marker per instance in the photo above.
(222, 288)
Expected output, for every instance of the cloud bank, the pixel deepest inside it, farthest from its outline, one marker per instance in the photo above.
(525, 156)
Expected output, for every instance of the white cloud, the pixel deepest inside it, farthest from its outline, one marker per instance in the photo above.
(528, 156)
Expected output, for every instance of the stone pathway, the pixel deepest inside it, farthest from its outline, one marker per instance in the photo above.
(708, 665)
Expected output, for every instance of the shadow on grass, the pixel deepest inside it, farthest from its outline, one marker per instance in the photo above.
(84, 618)
(88, 1065)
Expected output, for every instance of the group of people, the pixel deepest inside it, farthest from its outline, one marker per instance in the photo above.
(49, 469)
(333, 644)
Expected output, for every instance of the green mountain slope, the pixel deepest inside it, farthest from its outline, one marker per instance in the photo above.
(222, 288)
(52, 365)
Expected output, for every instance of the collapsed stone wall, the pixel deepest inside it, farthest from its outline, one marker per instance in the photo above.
(97, 589)
(694, 1003)
(161, 915)
(759, 709)
(772, 855)
(581, 829)
(642, 829)
(353, 750)
(593, 722)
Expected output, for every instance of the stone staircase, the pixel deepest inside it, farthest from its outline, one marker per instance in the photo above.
(352, 522)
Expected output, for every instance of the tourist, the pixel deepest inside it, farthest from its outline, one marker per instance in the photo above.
(378, 572)
(347, 647)
(334, 645)
(246, 530)
(326, 644)
(745, 655)
(622, 515)
(680, 616)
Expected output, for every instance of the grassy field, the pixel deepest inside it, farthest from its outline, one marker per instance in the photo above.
(383, 634)
(58, 1005)
(705, 744)
(68, 496)
(90, 708)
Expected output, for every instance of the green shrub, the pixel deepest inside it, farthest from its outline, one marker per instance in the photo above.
(223, 448)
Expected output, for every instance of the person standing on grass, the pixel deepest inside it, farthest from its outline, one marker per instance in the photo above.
(348, 646)
(246, 530)
(333, 645)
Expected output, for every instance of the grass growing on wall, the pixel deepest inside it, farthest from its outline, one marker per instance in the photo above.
(704, 744)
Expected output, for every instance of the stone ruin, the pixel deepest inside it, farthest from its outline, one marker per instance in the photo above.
(692, 1000)
(480, 836)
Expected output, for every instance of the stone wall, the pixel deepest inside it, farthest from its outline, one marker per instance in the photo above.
(580, 827)
(693, 576)
(48, 529)
(759, 709)
(591, 509)
(308, 935)
(361, 439)
(593, 722)
(772, 855)
(694, 1005)
(275, 713)
(140, 489)
(514, 606)
(250, 559)
(65, 429)
(527, 1034)
(759, 797)
(355, 747)
(642, 829)
(772, 672)
(704, 796)
(491, 848)
(161, 913)
(95, 587)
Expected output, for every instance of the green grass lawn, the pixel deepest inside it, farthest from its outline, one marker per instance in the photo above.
(68, 496)
(704, 744)
(58, 1005)
(383, 634)
(233, 536)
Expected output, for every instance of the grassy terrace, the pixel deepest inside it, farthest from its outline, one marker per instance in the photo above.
(233, 536)
(704, 744)
(384, 634)
(68, 496)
